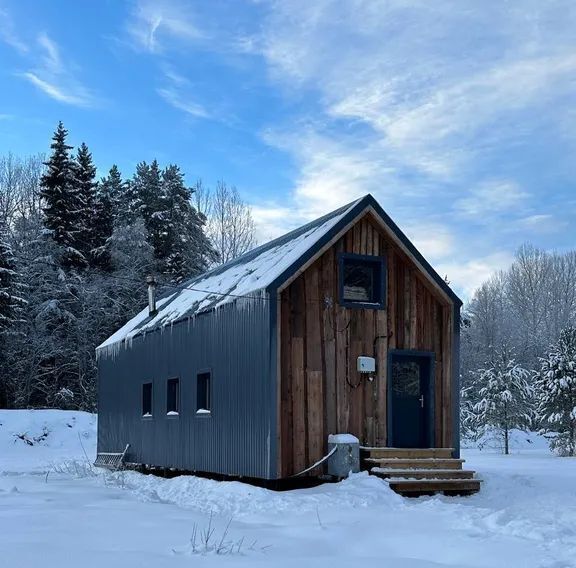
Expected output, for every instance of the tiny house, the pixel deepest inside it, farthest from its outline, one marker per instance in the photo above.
(340, 326)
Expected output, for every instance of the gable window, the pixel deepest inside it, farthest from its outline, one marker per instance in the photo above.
(147, 400)
(362, 281)
(173, 397)
(203, 393)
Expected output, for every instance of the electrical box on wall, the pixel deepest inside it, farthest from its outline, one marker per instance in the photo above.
(366, 364)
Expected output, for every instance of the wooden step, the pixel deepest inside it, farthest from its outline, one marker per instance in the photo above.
(413, 488)
(422, 473)
(406, 453)
(422, 463)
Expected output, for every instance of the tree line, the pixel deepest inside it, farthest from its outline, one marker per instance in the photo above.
(74, 255)
(519, 351)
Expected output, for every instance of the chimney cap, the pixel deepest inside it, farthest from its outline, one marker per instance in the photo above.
(151, 280)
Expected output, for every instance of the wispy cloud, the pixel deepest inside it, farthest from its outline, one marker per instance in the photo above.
(492, 196)
(155, 23)
(9, 35)
(177, 92)
(542, 223)
(428, 100)
(54, 77)
(415, 98)
(467, 275)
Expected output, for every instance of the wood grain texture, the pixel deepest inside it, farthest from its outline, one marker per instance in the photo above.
(321, 390)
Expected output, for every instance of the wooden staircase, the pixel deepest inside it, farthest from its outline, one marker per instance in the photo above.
(414, 472)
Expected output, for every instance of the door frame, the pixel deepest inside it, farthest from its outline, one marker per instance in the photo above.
(431, 356)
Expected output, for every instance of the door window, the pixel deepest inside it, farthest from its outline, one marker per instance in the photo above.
(406, 378)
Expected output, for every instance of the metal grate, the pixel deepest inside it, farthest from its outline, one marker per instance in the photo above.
(111, 460)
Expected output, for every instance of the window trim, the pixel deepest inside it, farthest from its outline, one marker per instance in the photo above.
(380, 262)
(203, 412)
(172, 413)
(151, 415)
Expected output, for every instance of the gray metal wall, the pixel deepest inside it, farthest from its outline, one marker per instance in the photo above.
(239, 438)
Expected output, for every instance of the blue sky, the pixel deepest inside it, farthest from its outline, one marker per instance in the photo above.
(460, 117)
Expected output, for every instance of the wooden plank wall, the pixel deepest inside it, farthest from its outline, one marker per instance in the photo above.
(321, 391)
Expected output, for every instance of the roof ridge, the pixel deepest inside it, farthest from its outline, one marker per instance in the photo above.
(252, 253)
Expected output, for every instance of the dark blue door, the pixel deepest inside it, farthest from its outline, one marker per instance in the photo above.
(410, 397)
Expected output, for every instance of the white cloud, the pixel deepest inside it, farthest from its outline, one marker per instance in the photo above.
(465, 276)
(154, 23)
(273, 221)
(9, 35)
(177, 93)
(411, 95)
(407, 68)
(540, 223)
(331, 173)
(54, 78)
(433, 240)
(493, 196)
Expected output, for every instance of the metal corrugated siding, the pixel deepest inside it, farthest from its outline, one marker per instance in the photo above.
(234, 342)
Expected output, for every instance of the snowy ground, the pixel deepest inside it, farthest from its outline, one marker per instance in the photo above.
(525, 515)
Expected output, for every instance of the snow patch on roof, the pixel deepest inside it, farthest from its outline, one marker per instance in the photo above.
(246, 276)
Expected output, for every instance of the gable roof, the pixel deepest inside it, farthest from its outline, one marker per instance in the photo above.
(264, 269)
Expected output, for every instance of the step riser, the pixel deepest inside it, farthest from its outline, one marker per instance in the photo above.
(456, 474)
(396, 463)
(456, 487)
(445, 453)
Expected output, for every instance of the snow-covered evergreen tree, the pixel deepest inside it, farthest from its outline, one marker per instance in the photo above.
(187, 250)
(556, 390)
(62, 206)
(77, 296)
(11, 307)
(88, 222)
(116, 186)
(132, 260)
(110, 196)
(175, 229)
(503, 399)
(11, 300)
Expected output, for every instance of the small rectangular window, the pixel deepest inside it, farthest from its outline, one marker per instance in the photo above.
(203, 393)
(147, 399)
(173, 397)
(362, 281)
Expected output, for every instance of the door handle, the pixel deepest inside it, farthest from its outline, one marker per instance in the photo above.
(421, 401)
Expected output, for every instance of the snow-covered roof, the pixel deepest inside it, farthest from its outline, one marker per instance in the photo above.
(247, 275)
(264, 267)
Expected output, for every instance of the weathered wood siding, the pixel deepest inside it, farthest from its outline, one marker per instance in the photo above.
(321, 391)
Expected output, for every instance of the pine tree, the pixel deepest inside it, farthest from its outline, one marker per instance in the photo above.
(11, 301)
(86, 190)
(110, 194)
(154, 209)
(556, 389)
(124, 195)
(175, 230)
(62, 206)
(177, 245)
(188, 250)
(115, 187)
(202, 253)
(504, 399)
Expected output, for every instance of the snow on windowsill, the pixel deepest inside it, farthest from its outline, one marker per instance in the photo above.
(203, 412)
(172, 413)
(147, 415)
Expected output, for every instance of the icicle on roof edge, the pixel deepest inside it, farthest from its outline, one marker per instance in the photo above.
(247, 275)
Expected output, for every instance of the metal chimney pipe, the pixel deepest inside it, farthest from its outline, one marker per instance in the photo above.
(151, 281)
